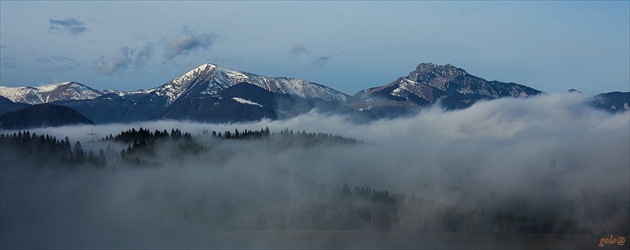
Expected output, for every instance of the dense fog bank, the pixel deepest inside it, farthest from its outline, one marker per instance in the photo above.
(546, 164)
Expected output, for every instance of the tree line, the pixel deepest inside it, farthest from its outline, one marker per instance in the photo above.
(51, 150)
(142, 144)
(307, 138)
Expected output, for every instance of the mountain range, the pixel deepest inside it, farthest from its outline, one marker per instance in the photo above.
(212, 93)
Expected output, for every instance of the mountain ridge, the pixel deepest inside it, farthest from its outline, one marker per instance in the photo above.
(42, 115)
(49, 93)
(213, 93)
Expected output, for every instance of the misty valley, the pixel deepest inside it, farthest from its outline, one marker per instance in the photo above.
(314, 124)
(484, 174)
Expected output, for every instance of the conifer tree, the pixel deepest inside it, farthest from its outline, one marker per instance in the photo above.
(79, 154)
(101, 160)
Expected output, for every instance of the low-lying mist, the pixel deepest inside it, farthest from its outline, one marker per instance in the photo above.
(487, 169)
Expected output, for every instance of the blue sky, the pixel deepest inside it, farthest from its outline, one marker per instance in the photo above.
(349, 46)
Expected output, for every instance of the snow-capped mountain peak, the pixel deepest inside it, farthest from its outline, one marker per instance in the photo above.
(210, 79)
(429, 82)
(207, 79)
(49, 93)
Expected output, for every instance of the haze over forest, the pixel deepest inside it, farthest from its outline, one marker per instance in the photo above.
(314, 124)
(543, 164)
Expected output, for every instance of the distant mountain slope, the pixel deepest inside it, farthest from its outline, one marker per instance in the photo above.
(245, 102)
(241, 102)
(49, 93)
(42, 115)
(7, 105)
(112, 108)
(611, 101)
(429, 83)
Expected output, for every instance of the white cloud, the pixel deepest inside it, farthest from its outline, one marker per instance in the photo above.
(189, 41)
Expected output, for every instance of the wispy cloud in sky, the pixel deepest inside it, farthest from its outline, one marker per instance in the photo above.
(62, 58)
(314, 59)
(297, 50)
(128, 56)
(57, 58)
(59, 62)
(321, 61)
(144, 55)
(115, 64)
(189, 41)
(68, 25)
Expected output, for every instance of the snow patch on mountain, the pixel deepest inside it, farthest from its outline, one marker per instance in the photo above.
(245, 101)
(231, 74)
(113, 91)
(20, 94)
